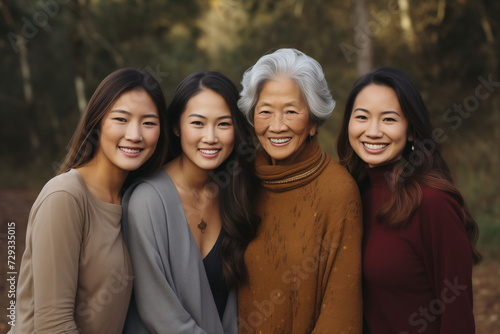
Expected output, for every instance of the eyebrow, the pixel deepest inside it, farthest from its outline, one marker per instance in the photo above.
(383, 112)
(267, 104)
(201, 116)
(120, 111)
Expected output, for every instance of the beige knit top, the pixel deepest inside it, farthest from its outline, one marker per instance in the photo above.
(75, 273)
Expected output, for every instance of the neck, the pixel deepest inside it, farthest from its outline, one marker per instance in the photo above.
(195, 177)
(103, 181)
(294, 157)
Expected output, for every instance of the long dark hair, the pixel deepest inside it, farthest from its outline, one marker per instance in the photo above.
(85, 141)
(237, 183)
(423, 165)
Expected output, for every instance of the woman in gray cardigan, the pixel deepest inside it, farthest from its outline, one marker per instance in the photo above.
(188, 225)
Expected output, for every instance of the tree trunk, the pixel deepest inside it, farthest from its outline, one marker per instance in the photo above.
(407, 25)
(30, 110)
(492, 62)
(365, 56)
(78, 56)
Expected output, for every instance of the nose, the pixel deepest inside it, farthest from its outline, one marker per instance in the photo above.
(373, 129)
(133, 132)
(210, 136)
(277, 123)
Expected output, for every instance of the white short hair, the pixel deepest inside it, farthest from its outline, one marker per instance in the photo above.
(304, 70)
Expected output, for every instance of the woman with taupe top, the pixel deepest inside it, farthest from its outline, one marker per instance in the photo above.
(75, 273)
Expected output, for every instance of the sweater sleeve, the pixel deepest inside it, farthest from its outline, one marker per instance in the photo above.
(341, 308)
(154, 293)
(448, 259)
(56, 242)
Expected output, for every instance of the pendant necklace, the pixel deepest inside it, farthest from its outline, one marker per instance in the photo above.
(202, 225)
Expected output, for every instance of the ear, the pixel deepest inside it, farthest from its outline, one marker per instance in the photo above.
(313, 129)
(410, 133)
(176, 132)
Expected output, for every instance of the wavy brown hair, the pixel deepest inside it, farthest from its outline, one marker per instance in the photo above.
(235, 177)
(85, 141)
(422, 166)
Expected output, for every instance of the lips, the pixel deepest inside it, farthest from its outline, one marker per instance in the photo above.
(212, 151)
(280, 141)
(209, 152)
(375, 146)
(130, 150)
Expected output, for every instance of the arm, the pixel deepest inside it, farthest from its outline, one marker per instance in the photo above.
(56, 242)
(448, 260)
(341, 309)
(156, 300)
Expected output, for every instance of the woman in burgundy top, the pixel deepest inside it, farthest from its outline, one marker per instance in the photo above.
(419, 238)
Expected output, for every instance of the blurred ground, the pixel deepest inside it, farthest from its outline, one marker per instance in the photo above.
(15, 206)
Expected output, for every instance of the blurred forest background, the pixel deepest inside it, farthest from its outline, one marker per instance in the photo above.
(54, 53)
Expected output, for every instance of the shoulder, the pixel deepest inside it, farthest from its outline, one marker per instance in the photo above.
(150, 194)
(336, 172)
(69, 185)
(145, 206)
(145, 188)
(339, 192)
(71, 182)
(442, 221)
(62, 196)
(435, 199)
(439, 206)
(335, 179)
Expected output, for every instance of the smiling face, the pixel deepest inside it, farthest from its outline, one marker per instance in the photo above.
(129, 131)
(206, 131)
(282, 121)
(378, 129)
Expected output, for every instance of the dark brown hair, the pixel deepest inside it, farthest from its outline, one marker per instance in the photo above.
(85, 141)
(235, 177)
(422, 166)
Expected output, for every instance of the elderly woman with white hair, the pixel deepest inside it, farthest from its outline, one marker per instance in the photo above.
(305, 264)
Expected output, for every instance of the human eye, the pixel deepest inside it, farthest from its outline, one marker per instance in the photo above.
(360, 117)
(150, 123)
(389, 119)
(120, 119)
(264, 112)
(197, 123)
(225, 124)
(291, 111)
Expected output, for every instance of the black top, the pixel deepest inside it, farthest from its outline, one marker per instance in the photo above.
(213, 268)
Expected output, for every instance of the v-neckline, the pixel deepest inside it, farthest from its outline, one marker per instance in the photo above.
(187, 223)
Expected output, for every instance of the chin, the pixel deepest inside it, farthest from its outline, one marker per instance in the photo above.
(277, 157)
(129, 168)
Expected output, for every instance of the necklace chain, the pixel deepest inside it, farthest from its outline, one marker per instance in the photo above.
(202, 225)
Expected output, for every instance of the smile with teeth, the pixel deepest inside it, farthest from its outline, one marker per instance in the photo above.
(375, 146)
(213, 151)
(130, 150)
(280, 140)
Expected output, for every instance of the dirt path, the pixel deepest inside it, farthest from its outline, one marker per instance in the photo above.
(486, 278)
(15, 206)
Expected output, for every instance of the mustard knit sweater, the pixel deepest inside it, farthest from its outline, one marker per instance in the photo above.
(305, 263)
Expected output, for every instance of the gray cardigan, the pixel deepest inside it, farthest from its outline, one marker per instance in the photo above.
(171, 292)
